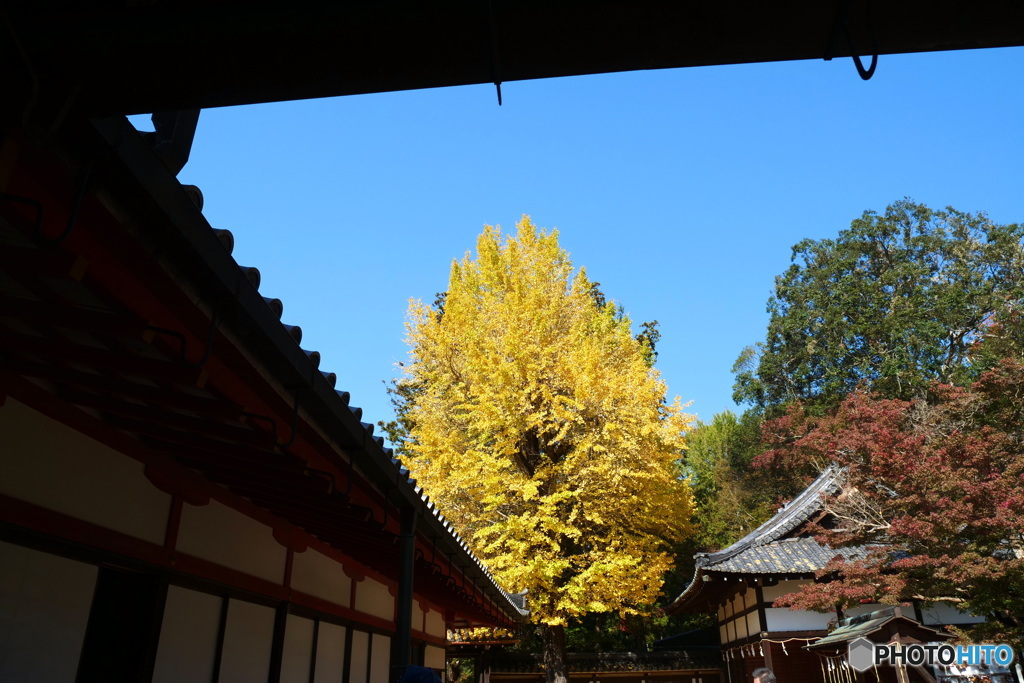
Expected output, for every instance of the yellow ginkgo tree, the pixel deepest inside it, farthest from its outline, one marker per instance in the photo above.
(539, 427)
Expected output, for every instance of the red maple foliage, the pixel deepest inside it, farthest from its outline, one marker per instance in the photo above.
(934, 492)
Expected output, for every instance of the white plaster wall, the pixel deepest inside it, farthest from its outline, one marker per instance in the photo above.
(417, 616)
(219, 534)
(435, 623)
(863, 609)
(380, 659)
(298, 650)
(373, 598)
(359, 667)
(56, 467)
(741, 627)
(319, 575)
(433, 657)
(188, 637)
(943, 613)
(330, 653)
(753, 623)
(736, 604)
(44, 609)
(248, 638)
(723, 634)
(785, 619)
(772, 593)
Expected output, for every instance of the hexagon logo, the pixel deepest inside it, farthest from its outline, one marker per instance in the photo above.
(860, 654)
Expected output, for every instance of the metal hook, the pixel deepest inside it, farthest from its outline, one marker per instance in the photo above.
(83, 186)
(182, 342)
(35, 204)
(840, 25)
(271, 421)
(334, 482)
(495, 55)
(351, 472)
(274, 432)
(214, 322)
(295, 423)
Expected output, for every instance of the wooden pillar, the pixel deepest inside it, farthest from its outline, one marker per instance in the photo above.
(767, 654)
(401, 644)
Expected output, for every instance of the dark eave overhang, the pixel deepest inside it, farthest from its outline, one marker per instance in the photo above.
(195, 248)
(104, 58)
(121, 302)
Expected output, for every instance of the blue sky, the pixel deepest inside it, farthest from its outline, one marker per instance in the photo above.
(681, 191)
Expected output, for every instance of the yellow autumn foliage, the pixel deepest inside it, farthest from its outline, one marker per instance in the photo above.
(542, 433)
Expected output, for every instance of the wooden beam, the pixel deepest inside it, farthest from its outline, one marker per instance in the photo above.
(167, 397)
(103, 359)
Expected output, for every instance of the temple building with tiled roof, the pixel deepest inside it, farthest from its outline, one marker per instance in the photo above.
(741, 583)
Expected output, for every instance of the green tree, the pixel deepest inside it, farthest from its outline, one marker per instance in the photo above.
(897, 301)
(730, 498)
(538, 426)
(895, 350)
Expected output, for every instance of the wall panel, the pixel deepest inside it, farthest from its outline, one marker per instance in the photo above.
(319, 575)
(219, 534)
(373, 598)
(741, 627)
(247, 641)
(359, 667)
(380, 659)
(298, 650)
(44, 609)
(785, 619)
(863, 609)
(435, 624)
(434, 657)
(772, 593)
(753, 623)
(417, 616)
(188, 637)
(330, 653)
(56, 467)
(943, 613)
(737, 604)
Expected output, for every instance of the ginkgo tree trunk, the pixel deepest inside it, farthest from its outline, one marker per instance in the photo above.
(539, 427)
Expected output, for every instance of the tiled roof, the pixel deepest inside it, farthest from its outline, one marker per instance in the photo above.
(373, 446)
(794, 513)
(865, 625)
(785, 556)
(766, 549)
